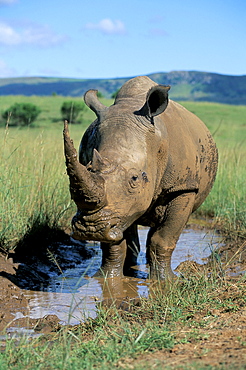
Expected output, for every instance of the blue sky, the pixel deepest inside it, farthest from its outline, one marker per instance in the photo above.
(111, 38)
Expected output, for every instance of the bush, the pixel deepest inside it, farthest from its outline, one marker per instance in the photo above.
(113, 96)
(100, 95)
(70, 110)
(21, 114)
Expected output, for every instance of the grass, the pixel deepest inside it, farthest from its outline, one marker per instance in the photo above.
(50, 116)
(34, 182)
(176, 314)
(34, 186)
(33, 176)
(227, 200)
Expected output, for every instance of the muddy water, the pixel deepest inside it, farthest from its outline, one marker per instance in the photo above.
(74, 294)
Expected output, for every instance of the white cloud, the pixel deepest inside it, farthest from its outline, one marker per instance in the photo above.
(8, 36)
(158, 30)
(7, 2)
(108, 26)
(38, 35)
(5, 71)
(42, 36)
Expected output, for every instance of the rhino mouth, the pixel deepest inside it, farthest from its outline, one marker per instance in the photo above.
(99, 226)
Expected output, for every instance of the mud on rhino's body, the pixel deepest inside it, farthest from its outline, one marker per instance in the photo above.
(146, 160)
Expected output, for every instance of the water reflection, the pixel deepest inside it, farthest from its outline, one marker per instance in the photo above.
(73, 297)
(74, 307)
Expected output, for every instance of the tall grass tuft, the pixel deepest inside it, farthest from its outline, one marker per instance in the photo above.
(227, 200)
(33, 182)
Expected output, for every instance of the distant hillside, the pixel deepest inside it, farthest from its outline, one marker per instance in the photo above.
(193, 86)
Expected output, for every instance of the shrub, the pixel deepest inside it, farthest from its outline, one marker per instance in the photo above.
(113, 96)
(100, 95)
(21, 114)
(70, 110)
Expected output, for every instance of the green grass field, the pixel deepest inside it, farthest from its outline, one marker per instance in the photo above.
(34, 183)
(34, 186)
(227, 201)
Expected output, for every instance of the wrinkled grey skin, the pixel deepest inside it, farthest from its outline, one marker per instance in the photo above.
(145, 160)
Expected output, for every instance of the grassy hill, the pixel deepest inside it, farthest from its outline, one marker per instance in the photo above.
(185, 86)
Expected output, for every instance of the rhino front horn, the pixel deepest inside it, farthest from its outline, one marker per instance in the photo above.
(91, 100)
(86, 188)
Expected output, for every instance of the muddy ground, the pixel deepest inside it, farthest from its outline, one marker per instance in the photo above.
(227, 329)
(222, 345)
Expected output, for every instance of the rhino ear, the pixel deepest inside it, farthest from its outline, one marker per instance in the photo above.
(156, 101)
(91, 100)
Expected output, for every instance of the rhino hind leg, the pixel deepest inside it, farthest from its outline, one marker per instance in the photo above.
(162, 240)
(133, 249)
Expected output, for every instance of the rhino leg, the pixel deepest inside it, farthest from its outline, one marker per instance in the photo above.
(133, 248)
(113, 257)
(162, 240)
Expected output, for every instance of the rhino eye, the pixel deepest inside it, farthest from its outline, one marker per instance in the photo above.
(133, 178)
(134, 181)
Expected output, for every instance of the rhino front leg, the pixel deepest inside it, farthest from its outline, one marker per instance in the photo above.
(162, 240)
(113, 258)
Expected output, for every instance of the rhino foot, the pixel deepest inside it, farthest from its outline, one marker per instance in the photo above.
(162, 274)
(106, 272)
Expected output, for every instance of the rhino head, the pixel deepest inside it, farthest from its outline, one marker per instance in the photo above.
(116, 175)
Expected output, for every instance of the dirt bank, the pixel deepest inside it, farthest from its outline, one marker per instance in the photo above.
(14, 305)
(222, 344)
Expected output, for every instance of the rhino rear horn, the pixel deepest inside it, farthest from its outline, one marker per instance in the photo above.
(86, 188)
(101, 164)
(91, 100)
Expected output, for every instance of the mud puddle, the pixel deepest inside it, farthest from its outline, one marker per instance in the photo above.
(72, 294)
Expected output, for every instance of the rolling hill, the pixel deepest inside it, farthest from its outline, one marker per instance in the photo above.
(185, 85)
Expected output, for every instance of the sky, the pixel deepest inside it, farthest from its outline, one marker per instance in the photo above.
(121, 38)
